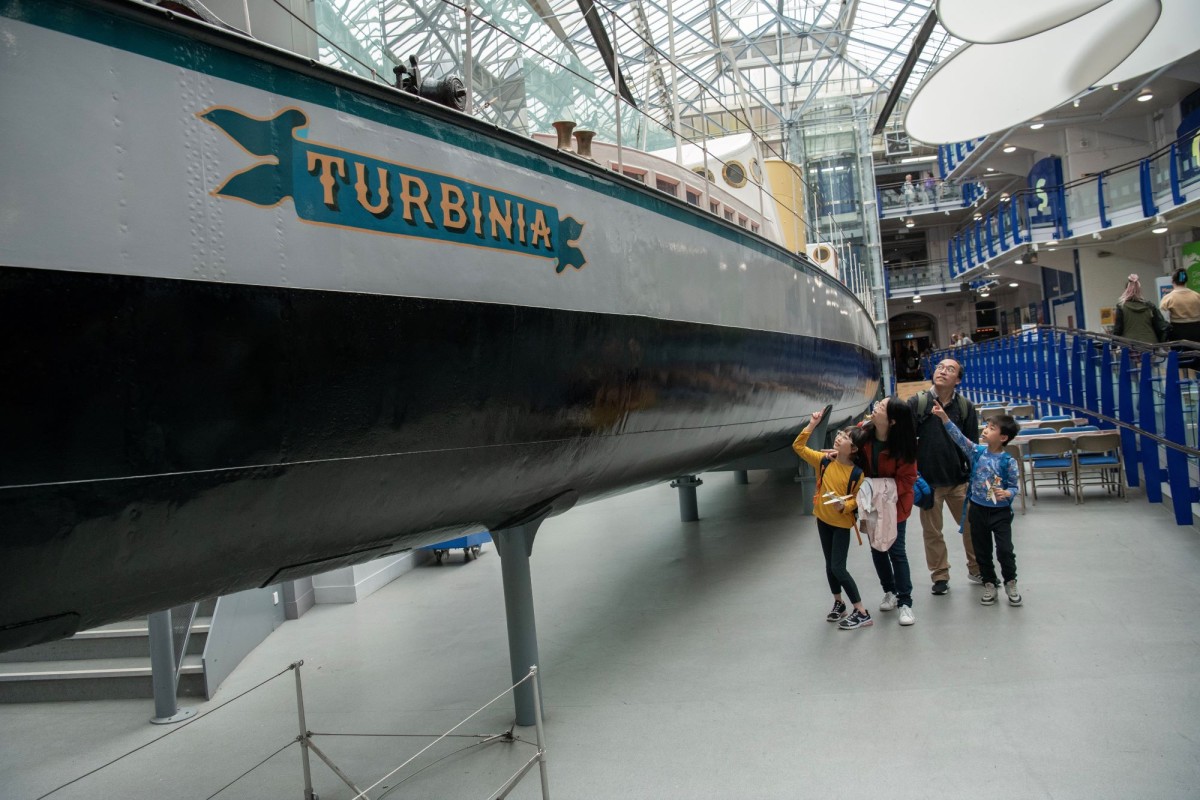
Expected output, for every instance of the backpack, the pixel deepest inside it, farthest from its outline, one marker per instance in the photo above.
(856, 476)
(856, 484)
(922, 493)
(923, 406)
(1005, 459)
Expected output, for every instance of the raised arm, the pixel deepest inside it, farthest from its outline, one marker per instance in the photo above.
(800, 446)
(964, 444)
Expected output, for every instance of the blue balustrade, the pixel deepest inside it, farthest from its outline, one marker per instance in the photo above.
(1138, 392)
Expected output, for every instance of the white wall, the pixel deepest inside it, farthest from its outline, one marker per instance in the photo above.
(1104, 276)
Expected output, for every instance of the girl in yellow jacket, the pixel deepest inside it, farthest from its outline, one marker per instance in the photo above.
(837, 483)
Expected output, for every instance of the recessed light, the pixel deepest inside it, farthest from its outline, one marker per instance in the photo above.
(1162, 229)
(916, 298)
(991, 169)
(1052, 241)
(1012, 148)
(1144, 96)
(908, 223)
(978, 216)
(1019, 260)
(1014, 284)
(1037, 126)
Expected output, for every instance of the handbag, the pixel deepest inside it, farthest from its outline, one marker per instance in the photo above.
(922, 493)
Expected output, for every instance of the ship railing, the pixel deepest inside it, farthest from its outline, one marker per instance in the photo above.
(1147, 392)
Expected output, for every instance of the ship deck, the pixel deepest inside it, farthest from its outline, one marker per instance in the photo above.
(693, 661)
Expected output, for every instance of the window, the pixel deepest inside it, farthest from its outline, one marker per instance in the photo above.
(638, 175)
(734, 174)
(729, 214)
(702, 172)
(714, 206)
(693, 196)
(745, 223)
(667, 185)
(754, 227)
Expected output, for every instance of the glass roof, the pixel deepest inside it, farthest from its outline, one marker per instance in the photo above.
(729, 61)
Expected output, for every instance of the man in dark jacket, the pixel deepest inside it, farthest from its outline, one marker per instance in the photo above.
(943, 467)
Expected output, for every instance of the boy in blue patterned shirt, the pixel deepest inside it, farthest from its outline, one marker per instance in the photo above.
(994, 484)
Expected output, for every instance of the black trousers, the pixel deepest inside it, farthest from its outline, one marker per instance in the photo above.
(992, 527)
(835, 544)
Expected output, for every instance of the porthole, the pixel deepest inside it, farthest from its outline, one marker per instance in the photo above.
(756, 170)
(705, 173)
(734, 174)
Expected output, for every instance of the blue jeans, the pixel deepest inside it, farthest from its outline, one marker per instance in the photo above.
(892, 568)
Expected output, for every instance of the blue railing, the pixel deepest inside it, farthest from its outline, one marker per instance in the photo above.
(1136, 191)
(925, 196)
(1114, 383)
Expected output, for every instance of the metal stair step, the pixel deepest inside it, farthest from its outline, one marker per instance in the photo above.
(88, 668)
(91, 679)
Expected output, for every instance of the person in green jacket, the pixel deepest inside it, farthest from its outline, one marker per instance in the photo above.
(1137, 318)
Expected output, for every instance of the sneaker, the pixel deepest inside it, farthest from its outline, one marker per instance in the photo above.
(837, 612)
(989, 594)
(856, 620)
(1014, 597)
(941, 587)
(888, 603)
(906, 615)
(975, 579)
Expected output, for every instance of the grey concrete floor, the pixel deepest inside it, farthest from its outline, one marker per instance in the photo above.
(692, 660)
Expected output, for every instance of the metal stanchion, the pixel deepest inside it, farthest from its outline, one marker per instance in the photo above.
(541, 738)
(303, 737)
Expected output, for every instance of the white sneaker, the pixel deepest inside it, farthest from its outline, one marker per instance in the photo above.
(888, 603)
(906, 615)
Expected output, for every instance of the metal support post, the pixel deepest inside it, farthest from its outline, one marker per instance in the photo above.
(1146, 421)
(162, 671)
(1173, 429)
(686, 484)
(741, 477)
(303, 737)
(515, 546)
(541, 734)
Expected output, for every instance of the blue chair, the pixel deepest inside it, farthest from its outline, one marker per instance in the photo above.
(1078, 429)
(1100, 453)
(1051, 454)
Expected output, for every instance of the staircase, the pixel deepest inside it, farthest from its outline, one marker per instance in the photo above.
(105, 663)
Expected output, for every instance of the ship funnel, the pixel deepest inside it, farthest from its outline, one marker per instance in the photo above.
(564, 128)
(583, 142)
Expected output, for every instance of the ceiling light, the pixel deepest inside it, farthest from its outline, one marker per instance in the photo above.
(1076, 103)
(1014, 284)
(1019, 260)
(1051, 249)
(1003, 197)
(1037, 126)
(917, 159)
(1012, 148)
(1116, 87)
(984, 293)
(1161, 229)
(1051, 241)
(1145, 95)
(916, 298)
(908, 223)
(978, 216)
(991, 169)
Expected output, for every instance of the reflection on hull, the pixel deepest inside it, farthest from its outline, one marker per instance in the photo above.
(228, 433)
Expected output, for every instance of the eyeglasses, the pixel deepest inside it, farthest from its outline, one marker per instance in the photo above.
(946, 368)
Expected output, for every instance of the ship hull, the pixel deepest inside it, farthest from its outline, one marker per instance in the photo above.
(207, 395)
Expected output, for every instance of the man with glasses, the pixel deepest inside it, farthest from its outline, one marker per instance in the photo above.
(943, 467)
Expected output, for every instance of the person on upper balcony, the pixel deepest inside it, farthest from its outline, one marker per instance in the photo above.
(1182, 306)
(1136, 317)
